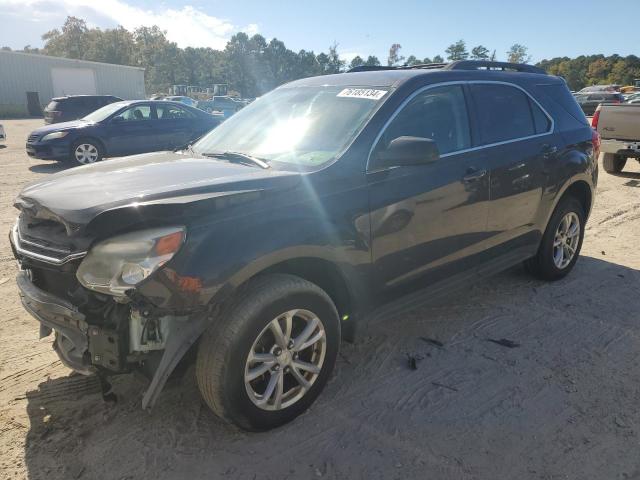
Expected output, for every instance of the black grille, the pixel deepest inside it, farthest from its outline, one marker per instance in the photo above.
(33, 138)
(45, 240)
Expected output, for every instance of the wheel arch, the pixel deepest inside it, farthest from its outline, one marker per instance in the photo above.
(580, 190)
(321, 272)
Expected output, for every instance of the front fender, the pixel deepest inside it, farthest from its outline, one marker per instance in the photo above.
(219, 257)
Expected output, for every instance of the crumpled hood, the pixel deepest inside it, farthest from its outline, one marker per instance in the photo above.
(78, 195)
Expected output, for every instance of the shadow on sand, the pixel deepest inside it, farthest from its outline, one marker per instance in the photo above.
(49, 167)
(379, 418)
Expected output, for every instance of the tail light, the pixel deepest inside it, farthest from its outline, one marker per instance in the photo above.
(595, 139)
(595, 119)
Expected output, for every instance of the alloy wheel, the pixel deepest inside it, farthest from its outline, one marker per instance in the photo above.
(285, 360)
(565, 241)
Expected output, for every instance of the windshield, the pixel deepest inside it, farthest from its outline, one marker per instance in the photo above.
(307, 126)
(103, 112)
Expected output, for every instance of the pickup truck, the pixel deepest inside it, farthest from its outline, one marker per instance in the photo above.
(619, 129)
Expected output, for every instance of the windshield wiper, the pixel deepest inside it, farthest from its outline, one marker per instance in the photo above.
(238, 156)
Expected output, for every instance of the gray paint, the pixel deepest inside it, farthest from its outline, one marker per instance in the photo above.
(25, 72)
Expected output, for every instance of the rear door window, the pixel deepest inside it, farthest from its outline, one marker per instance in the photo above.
(506, 113)
(171, 112)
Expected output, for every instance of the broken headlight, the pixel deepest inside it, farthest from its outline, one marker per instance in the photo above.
(118, 264)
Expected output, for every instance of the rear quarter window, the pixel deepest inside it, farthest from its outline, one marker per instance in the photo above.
(560, 95)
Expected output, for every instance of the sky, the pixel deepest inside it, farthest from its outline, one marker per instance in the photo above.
(549, 28)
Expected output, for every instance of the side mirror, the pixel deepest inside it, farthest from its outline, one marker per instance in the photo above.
(117, 119)
(407, 151)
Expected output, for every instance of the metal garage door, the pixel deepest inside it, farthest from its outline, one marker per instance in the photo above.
(73, 81)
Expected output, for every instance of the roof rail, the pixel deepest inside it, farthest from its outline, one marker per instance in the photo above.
(370, 68)
(489, 65)
(457, 65)
(424, 65)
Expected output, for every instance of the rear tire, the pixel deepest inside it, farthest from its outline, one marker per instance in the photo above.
(86, 151)
(560, 246)
(240, 355)
(613, 163)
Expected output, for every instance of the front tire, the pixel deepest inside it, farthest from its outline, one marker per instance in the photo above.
(271, 354)
(86, 151)
(613, 163)
(561, 243)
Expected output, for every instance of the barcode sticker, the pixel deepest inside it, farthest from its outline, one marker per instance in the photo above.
(369, 93)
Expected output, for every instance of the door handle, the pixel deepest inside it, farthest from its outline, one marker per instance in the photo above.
(473, 174)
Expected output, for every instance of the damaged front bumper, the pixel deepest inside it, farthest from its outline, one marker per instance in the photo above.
(89, 349)
(57, 314)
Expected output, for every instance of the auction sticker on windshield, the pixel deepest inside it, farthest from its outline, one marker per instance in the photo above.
(369, 93)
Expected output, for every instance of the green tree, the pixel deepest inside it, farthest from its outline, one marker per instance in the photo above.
(413, 60)
(334, 64)
(427, 60)
(158, 56)
(306, 64)
(394, 57)
(457, 51)
(372, 61)
(70, 42)
(438, 59)
(598, 71)
(518, 54)
(356, 61)
(110, 46)
(480, 53)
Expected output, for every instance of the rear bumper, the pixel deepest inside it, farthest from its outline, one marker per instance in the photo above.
(53, 313)
(628, 148)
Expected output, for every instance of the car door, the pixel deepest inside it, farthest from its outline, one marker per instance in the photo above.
(517, 137)
(175, 125)
(132, 131)
(428, 221)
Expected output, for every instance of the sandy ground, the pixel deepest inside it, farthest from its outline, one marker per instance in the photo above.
(563, 404)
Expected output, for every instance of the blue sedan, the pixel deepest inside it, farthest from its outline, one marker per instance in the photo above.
(121, 128)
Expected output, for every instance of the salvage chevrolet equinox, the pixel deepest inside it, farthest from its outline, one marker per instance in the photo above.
(326, 202)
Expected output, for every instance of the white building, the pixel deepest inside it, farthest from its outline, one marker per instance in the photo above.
(29, 81)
